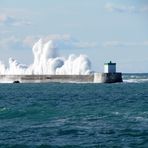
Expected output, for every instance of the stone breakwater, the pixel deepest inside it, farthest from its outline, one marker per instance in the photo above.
(92, 78)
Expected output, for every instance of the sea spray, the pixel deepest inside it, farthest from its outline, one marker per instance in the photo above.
(47, 61)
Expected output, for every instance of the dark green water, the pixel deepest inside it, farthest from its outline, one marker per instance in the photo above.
(74, 115)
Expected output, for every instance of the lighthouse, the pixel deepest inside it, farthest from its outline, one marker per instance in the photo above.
(110, 67)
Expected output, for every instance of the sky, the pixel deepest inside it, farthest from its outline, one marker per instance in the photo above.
(104, 30)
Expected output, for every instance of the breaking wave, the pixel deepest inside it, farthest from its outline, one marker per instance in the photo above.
(47, 61)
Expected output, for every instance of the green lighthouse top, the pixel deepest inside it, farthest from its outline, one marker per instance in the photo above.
(110, 63)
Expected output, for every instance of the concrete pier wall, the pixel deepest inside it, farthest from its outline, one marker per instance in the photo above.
(93, 78)
(47, 78)
(107, 77)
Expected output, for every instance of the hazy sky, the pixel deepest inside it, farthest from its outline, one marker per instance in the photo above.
(102, 29)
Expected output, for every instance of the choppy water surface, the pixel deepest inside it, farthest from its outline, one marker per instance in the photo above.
(74, 115)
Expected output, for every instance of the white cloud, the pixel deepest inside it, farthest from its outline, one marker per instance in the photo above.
(64, 41)
(113, 44)
(144, 9)
(86, 45)
(12, 43)
(12, 21)
(125, 8)
(30, 40)
(124, 44)
(145, 43)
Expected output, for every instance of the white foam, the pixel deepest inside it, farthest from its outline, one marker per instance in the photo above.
(47, 61)
(135, 80)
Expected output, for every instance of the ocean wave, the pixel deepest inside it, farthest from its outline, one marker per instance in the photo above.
(3, 109)
(135, 80)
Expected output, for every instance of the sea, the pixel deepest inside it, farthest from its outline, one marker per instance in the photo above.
(71, 115)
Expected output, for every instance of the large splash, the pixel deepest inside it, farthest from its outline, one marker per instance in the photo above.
(47, 61)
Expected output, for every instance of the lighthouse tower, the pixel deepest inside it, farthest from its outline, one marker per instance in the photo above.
(110, 67)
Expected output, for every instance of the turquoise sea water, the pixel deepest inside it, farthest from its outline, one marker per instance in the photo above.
(75, 115)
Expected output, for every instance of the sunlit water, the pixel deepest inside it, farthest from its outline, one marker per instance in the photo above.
(75, 115)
